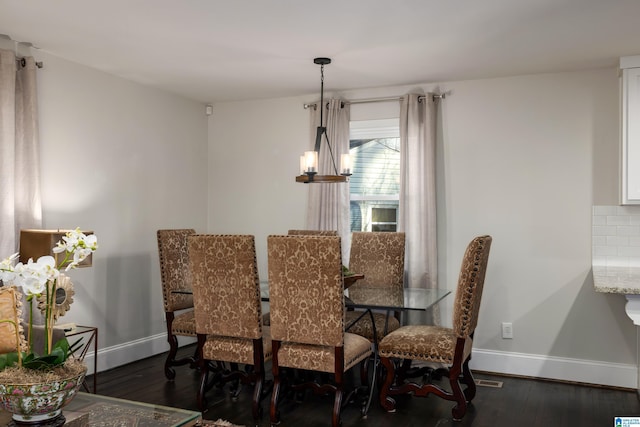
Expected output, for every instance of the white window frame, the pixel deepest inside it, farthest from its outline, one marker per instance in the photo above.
(378, 128)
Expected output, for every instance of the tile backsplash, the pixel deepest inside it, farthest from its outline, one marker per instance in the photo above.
(616, 236)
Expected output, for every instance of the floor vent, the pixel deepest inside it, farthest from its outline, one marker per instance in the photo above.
(489, 383)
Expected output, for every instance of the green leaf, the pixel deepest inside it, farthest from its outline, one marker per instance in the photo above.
(8, 359)
(346, 271)
(59, 354)
(62, 345)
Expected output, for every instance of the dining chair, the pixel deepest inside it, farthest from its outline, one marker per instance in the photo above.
(178, 308)
(266, 318)
(450, 347)
(307, 317)
(226, 296)
(380, 257)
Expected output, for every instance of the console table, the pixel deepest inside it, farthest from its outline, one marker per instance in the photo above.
(89, 334)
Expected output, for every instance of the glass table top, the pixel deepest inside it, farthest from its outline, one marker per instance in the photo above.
(384, 298)
(102, 411)
(373, 297)
(392, 299)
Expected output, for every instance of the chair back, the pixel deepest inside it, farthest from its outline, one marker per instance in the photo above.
(313, 233)
(226, 287)
(380, 257)
(174, 268)
(306, 294)
(470, 286)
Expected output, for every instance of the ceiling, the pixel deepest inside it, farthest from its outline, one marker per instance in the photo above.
(226, 50)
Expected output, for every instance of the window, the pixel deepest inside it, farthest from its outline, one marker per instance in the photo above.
(374, 187)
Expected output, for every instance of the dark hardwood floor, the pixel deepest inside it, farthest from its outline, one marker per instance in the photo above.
(520, 402)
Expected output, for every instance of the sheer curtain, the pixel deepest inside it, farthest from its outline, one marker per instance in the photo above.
(328, 207)
(19, 150)
(418, 189)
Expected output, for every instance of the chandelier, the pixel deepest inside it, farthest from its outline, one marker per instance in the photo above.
(309, 161)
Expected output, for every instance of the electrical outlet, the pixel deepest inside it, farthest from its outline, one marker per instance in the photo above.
(507, 330)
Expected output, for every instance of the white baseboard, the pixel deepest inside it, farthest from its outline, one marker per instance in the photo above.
(556, 368)
(112, 357)
(530, 365)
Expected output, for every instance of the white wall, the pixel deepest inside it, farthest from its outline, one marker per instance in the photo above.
(525, 158)
(254, 152)
(123, 160)
(521, 158)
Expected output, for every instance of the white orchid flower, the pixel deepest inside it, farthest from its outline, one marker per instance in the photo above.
(91, 242)
(7, 274)
(33, 276)
(79, 255)
(33, 286)
(77, 243)
(7, 263)
(48, 266)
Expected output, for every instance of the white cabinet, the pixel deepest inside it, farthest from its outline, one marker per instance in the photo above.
(630, 66)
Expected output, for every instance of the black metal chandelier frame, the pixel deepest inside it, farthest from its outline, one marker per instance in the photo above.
(311, 176)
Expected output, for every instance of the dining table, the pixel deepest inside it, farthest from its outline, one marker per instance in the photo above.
(369, 298)
(383, 298)
(375, 297)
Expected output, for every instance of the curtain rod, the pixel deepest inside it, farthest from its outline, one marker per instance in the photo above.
(20, 60)
(435, 97)
(23, 62)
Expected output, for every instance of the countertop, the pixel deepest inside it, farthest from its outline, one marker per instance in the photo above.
(616, 280)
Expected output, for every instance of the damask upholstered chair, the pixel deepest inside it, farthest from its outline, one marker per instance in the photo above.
(178, 308)
(266, 318)
(307, 316)
(448, 346)
(226, 293)
(380, 257)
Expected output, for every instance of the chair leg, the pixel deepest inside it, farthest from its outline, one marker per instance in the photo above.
(337, 405)
(204, 374)
(469, 381)
(203, 366)
(387, 402)
(236, 384)
(257, 396)
(169, 372)
(458, 395)
(337, 400)
(274, 415)
(196, 358)
(171, 361)
(257, 374)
